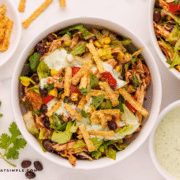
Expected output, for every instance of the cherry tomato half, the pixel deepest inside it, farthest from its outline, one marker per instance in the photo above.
(109, 77)
(47, 99)
(173, 8)
(75, 70)
(74, 89)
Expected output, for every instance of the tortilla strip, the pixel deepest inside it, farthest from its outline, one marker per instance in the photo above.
(73, 112)
(87, 138)
(95, 119)
(85, 68)
(82, 102)
(95, 92)
(62, 3)
(67, 81)
(102, 133)
(3, 22)
(4, 44)
(72, 159)
(83, 83)
(112, 95)
(133, 102)
(53, 109)
(21, 7)
(36, 13)
(88, 80)
(3, 9)
(103, 119)
(96, 57)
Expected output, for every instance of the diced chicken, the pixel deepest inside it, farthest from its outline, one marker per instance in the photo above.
(161, 31)
(66, 146)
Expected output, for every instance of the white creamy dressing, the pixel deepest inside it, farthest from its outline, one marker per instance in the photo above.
(43, 82)
(167, 142)
(59, 59)
(86, 107)
(115, 75)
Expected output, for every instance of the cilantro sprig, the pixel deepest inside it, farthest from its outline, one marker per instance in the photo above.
(1, 115)
(10, 144)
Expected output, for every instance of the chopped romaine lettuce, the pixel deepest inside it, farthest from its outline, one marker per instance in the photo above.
(79, 49)
(42, 70)
(176, 60)
(97, 101)
(97, 142)
(34, 61)
(111, 153)
(79, 145)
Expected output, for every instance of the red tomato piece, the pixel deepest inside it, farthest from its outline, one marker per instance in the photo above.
(130, 107)
(173, 8)
(47, 99)
(74, 89)
(75, 70)
(109, 77)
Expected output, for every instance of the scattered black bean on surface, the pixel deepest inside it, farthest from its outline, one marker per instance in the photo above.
(112, 125)
(45, 121)
(38, 165)
(44, 109)
(157, 16)
(30, 174)
(25, 163)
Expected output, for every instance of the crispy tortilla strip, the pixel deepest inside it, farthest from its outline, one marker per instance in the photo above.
(133, 102)
(3, 9)
(72, 159)
(85, 68)
(2, 33)
(82, 102)
(103, 119)
(96, 57)
(4, 44)
(113, 97)
(73, 112)
(54, 108)
(88, 80)
(36, 13)
(67, 81)
(21, 7)
(95, 92)
(3, 23)
(87, 138)
(62, 3)
(83, 83)
(95, 119)
(102, 133)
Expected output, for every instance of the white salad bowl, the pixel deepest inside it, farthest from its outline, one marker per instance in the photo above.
(13, 14)
(158, 166)
(152, 104)
(155, 43)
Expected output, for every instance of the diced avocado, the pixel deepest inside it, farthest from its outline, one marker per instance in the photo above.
(29, 123)
(63, 137)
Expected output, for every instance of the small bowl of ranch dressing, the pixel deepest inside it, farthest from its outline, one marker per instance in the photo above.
(164, 142)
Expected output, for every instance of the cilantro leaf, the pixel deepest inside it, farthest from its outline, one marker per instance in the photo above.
(1, 115)
(49, 87)
(84, 114)
(4, 139)
(19, 143)
(34, 61)
(85, 91)
(93, 80)
(12, 153)
(0, 103)
(14, 130)
(97, 101)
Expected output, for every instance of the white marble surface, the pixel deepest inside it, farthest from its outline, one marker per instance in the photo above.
(133, 14)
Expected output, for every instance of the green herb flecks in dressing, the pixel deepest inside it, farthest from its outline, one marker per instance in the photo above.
(167, 142)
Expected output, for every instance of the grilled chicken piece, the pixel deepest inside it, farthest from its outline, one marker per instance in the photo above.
(164, 4)
(161, 31)
(66, 146)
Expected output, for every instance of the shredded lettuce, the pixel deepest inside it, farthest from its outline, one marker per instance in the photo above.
(176, 60)
(79, 145)
(96, 33)
(126, 42)
(111, 153)
(27, 79)
(96, 154)
(175, 35)
(42, 70)
(34, 61)
(97, 101)
(79, 49)
(97, 142)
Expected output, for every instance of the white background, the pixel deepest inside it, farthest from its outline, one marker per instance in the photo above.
(133, 14)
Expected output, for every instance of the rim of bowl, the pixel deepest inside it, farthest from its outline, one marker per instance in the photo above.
(18, 33)
(155, 44)
(145, 131)
(156, 163)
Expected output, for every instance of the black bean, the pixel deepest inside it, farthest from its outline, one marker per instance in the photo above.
(74, 135)
(113, 118)
(43, 92)
(112, 125)
(25, 163)
(44, 109)
(47, 144)
(169, 26)
(36, 78)
(45, 121)
(123, 72)
(41, 48)
(157, 16)
(112, 86)
(38, 165)
(51, 37)
(30, 174)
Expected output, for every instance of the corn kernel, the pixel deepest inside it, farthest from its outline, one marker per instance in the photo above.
(74, 97)
(97, 44)
(54, 92)
(178, 67)
(117, 68)
(107, 40)
(106, 46)
(53, 72)
(62, 96)
(25, 83)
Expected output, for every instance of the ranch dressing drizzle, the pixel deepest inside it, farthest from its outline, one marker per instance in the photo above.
(167, 142)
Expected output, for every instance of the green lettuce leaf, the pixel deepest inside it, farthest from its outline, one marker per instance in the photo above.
(93, 80)
(27, 79)
(42, 70)
(96, 154)
(79, 49)
(111, 153)
(79, 145)
(125, 129)
(97, 101)
(176, 60)
(97, 142)
(34, 61)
